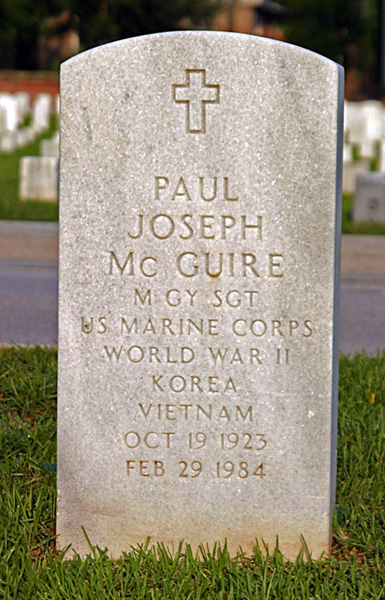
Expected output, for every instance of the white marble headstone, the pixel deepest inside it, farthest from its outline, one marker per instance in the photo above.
(350, 171)
(199, 259)
(8, 103)
(42, 111)
(50, 147)
(23, 105)
(22, 137)
(3, 120)
(373, 114)
(354, 123)
(369, 201)
(8, 141)
(38, 178)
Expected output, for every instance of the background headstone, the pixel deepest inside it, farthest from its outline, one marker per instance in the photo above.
(23, 105)
(8, 141)
(8, 103)
(381, 162)
(50, 147)
(22, 137)
(2, 120)
(364, 126)
(41, 113)
(354, 122)
(350, 172)
(199, 253)
(347, 152)
(368, 149)
(369, 201)
(373, 114)
(38, 178)
(30, 133)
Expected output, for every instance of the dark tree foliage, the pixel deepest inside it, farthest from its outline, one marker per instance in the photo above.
(346, 31)
(118, 19)
(98, 21)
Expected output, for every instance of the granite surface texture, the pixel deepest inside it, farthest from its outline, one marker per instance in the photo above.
(199, 254)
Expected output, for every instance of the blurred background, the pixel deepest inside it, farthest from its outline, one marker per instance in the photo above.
(39, 34)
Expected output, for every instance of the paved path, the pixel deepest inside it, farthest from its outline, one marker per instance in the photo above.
(362, 315)
(28, 287)
(28, 302)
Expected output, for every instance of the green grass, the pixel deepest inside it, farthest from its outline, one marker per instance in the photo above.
(31, 568)
(10, 205)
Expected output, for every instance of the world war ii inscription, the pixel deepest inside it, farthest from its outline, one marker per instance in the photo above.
(199, 258)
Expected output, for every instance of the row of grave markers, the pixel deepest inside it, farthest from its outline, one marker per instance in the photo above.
(14, 108)
(38, 179)
(364, 145)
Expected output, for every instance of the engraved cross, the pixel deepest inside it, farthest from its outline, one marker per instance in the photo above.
(195, 94)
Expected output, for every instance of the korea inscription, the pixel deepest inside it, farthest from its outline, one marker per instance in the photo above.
(197, 358)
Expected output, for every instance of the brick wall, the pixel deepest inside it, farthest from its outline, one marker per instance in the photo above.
(32, 82)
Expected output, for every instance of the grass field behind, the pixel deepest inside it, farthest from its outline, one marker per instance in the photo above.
(31, 568)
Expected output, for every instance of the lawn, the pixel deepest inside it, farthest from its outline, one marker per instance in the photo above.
(30, 567)
(10, 205)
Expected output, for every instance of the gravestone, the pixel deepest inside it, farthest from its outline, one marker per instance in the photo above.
(3, 119)
(22, 137)
(23, 105)
(30, 133)
(364, 126)
(199, 258)
(42, 112)
(381, 161)
(38, 178)
(368, 149)
(8, 141)
(354, 123)
(50, 147)
(8, 103)
(347, 155)
(350, 172)
(373, 113)
(369, 201)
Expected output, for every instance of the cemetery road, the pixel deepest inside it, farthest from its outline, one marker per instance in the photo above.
(362, 314)
(28, 307)
(28, 302)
